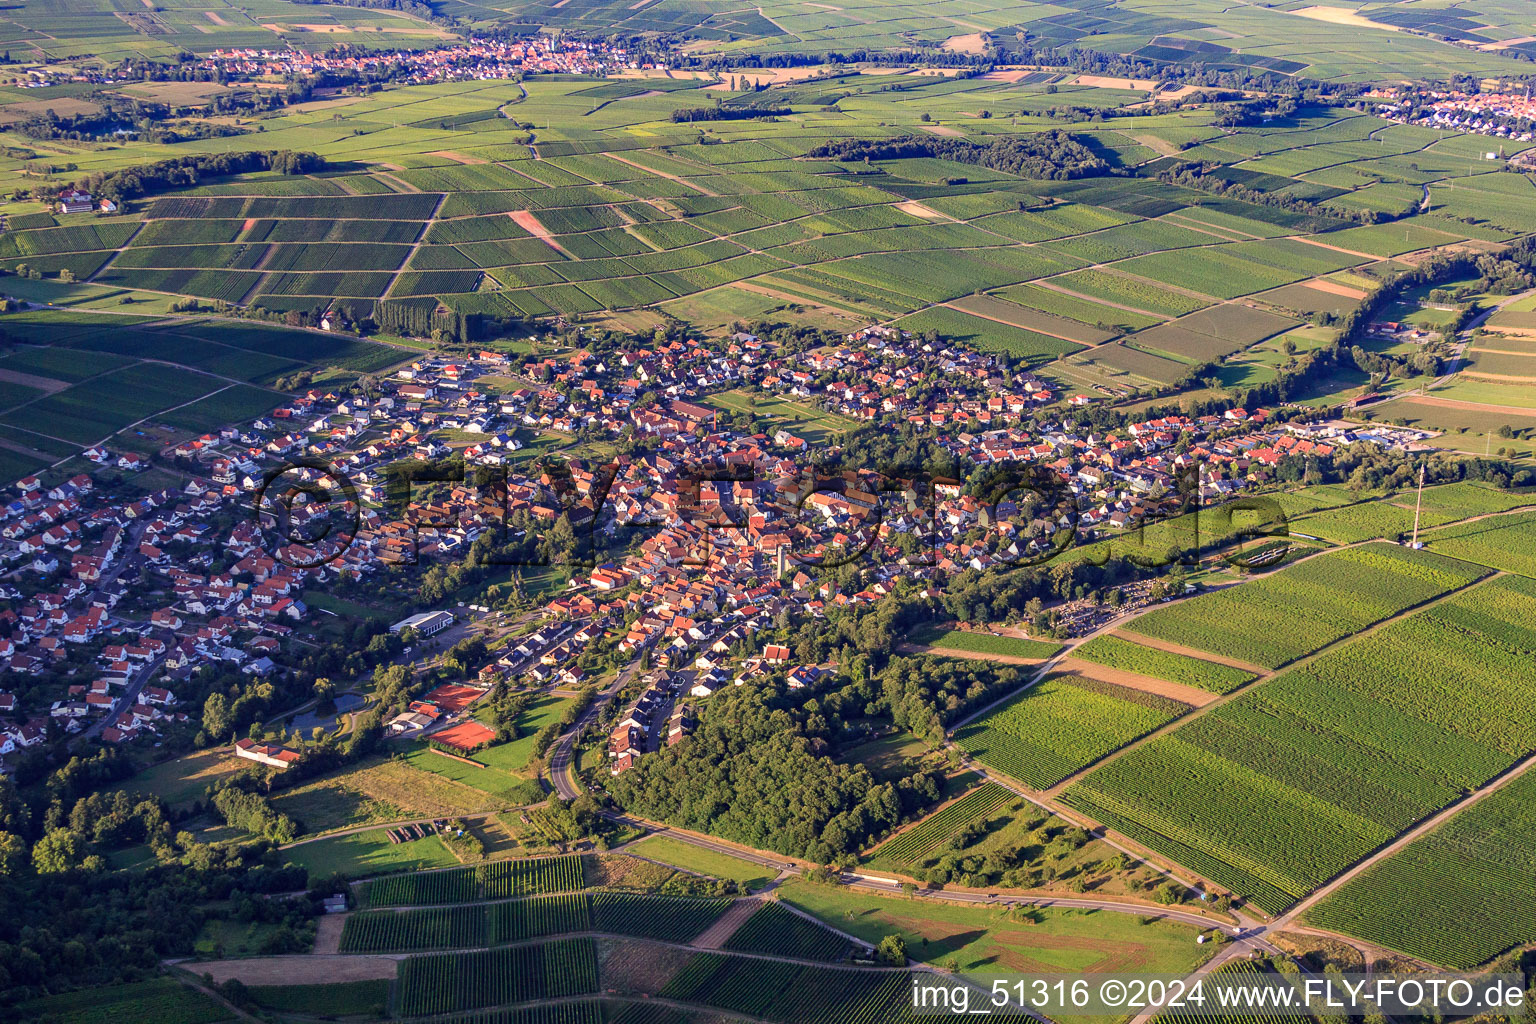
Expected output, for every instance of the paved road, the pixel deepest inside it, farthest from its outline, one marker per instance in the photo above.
(132, 536)
(562, 769)
(129, 698)
(888, 886)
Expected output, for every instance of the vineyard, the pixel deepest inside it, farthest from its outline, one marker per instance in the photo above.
(937, 828)
(580, 1011)
(1287, 785)
(1462, 501)
(1275, 620)
(1366, 521)
(1117, 652)
(493, 881)
(501, 879)
(1474, 877)
(653, 917)
(984, 643)
(792, 994)
(1507, 542)
(1062, 725)
(1244, 974)
(515, 974)
(774, 929)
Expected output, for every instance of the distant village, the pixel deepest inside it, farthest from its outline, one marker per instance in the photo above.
(1507, 116)
(472, 60)
(156, 590)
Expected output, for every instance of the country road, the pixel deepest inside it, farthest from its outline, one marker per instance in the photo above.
(562, 769)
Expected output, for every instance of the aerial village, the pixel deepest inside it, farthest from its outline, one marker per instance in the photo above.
(718, 532)
(473, 60)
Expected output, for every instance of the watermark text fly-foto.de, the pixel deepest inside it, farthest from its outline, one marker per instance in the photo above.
(1219, 994)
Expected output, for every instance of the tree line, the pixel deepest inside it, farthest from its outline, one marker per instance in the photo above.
(1051, 155)
(187, 171)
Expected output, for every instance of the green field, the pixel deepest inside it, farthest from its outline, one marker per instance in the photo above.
(776, 412)
(1118, 652)
(161, 1000)
(1062, 725)
(693, 858)
(987, 335)
(1371, 48)
(368, 853)
(505, 765)
(1474, 877)
(1500, 542)
(817, 241)
(1279, 618)
(984, 939)
(1282, 788)
(665, 918)
(972, 642)
(183, 780)
(339, 999)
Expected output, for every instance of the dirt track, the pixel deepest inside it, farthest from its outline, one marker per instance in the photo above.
(328, 933)
(298, 970)
(1190, 695)
(1190, 652)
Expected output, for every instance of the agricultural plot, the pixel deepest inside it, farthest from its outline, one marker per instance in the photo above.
(630, 212)
(161, 999)
(990, 308)
(1474, 878)
(467, 981)
(1277, 619)
(790, 993)
(1225, 271)
(1062, 725)
(1502, 542)
(1139, 295)
(492, 881)
(94, 409)
(1459, 413)
(1366, 521)
(1464, 500)
(1282, 788)
(774, 929)
(1305, 298)
(339, 999)
(984, 643)
(1495, 359)
(1057, 303)
(1124, 359)
(1117, 652)
(408, 931)
(913, 842)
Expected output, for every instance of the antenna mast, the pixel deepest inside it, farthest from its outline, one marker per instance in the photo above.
(1417, 505)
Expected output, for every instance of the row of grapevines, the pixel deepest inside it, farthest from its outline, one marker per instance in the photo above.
(495, 880)
(940, 826)
(774, 929)
(655, 917)
(1118, 652)
(514, 974)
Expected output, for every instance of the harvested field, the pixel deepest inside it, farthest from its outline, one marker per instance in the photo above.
(1190, 695)
(301, 970)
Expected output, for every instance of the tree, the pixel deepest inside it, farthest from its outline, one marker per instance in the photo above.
(13, 853)
(217, 720)
(58, 851)
(892, 950)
